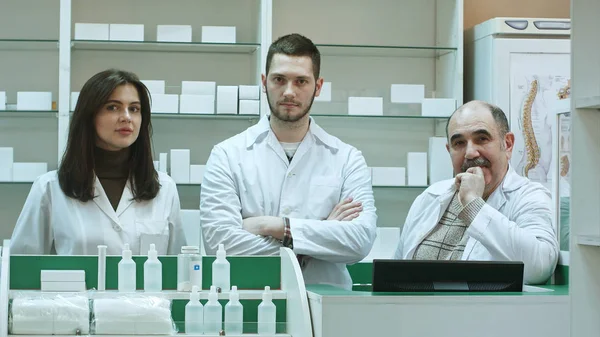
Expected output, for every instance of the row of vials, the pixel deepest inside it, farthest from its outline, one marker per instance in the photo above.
(164, 33)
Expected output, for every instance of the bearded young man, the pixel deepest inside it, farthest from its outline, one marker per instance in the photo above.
(488, 211)
(286, 182)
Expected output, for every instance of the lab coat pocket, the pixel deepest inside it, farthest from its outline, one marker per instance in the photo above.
(324, 194)
(153, 231)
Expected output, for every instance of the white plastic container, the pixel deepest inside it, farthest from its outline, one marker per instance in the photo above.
(266, 314)
(220, 270)
(194, 314)
(126, 274)
(213, 313)
(234, 314)
(152, 271)
(189, 268)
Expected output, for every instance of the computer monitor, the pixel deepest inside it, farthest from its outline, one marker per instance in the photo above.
(444, 276)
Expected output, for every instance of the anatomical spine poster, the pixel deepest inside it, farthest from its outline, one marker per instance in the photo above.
(538, 82)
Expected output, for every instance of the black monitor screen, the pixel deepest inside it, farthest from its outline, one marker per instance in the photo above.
(434, 276)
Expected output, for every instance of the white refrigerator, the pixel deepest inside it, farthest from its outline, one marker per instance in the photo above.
(522, 65)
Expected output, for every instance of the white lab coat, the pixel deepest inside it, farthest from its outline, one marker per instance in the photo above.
(249, 175)
(52, 223)
(514, 225)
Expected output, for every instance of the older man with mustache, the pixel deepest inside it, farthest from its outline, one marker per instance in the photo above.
(487, 212)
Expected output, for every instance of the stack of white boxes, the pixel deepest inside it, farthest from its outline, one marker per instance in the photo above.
(161, 102)
(249, 96)
(365, 106)
(415, 93)
(92, 31)
(227, 99)
(63, 280)
(2, 100)
(18, 172)
(34, 100)
(218, 34)
(438, 107)
(388, 176)
(174, 33)
(112, 32)
(417, 168)
(197, 97)
(440, 164)
(182, 171)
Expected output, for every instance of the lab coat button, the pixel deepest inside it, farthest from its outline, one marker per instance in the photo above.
(117, 228)
(286, 211)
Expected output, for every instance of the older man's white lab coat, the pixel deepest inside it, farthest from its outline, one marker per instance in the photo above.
(250, 175)
(514, 225)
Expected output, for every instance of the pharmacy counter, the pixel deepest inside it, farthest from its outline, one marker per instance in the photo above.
(337, 312)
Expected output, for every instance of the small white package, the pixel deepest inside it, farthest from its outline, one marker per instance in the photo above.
(49, 314)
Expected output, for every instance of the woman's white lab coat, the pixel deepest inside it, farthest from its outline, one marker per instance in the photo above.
(52, 223)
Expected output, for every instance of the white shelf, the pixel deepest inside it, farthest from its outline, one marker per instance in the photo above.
(589, 240)
(384, 51)
(198, 47)
(27, 114)
(176, 295)
(180, 334)
(592, 102)
(204, 116)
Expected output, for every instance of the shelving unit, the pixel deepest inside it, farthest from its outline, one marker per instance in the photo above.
(585, 214)
(404, 42)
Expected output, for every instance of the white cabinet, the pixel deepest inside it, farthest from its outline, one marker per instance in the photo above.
(366, 47)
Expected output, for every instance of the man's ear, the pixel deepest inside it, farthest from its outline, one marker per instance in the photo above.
(264, 82)
(318, 86)
(509, 144)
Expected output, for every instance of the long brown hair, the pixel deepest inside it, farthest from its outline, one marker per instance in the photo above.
(76, 171)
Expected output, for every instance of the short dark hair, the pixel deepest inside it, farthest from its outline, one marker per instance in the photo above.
(295, 45)
(497, 113)
(76, 171)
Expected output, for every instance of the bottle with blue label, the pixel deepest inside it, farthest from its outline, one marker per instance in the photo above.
(189, 268)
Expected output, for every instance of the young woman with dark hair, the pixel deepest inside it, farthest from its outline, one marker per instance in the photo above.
(106, 190)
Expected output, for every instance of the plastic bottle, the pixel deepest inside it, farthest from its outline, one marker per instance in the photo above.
(213, 313)
(189, 268)
(220, 270)
(194, 315)
(126, 274)
(234, 314)
(266, 314)
(152, 271)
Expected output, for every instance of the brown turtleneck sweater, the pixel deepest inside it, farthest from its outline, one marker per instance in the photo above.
(112, 168)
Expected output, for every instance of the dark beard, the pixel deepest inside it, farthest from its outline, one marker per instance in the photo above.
(289, 118)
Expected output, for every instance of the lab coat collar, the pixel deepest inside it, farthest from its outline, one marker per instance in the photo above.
(511, 182)
(258, 132)
(101, 200)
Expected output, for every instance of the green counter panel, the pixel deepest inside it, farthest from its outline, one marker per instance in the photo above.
(247, 272)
